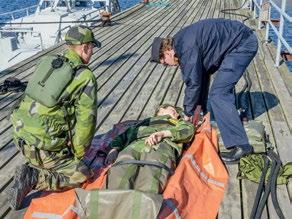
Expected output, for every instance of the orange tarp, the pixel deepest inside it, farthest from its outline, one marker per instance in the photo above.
(60, 204)
(197, 187)
(195, 190)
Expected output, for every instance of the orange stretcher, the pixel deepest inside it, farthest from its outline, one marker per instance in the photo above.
(195, 190)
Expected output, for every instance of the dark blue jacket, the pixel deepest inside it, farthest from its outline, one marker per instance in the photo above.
(200, 48)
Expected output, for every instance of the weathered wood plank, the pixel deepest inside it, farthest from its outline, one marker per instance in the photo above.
(232, 202)
(249, 189)
(281, 132)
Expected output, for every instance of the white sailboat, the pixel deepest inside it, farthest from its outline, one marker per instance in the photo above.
(28, 35)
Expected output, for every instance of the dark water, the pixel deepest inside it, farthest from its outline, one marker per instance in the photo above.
(287, 28)
(7, 6)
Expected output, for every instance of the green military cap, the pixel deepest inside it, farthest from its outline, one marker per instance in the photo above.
(178, 109)
(80, 34)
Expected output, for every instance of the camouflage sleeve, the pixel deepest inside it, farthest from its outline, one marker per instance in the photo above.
(125, 138)
(182, 132)
(85, 112)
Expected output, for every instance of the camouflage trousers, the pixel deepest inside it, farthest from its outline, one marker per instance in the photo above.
(143, 178)
(56, 170)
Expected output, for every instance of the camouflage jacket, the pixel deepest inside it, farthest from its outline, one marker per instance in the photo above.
(47, 129)
(181, 131)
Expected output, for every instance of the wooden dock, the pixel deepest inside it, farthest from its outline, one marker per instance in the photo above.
(130, 86)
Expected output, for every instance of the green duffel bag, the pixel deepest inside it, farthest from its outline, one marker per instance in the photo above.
(255, 131)
(251, 168)
(117, 204)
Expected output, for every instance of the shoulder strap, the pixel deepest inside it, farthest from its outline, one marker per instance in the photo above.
(80, 68)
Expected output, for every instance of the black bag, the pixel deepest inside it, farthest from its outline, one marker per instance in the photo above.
(12, 84)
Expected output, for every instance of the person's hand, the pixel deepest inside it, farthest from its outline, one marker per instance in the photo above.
(196, 116)
(188, 118)
(157, 137)
(111, 156)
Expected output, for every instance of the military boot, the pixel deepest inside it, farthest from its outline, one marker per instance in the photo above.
(25, 180)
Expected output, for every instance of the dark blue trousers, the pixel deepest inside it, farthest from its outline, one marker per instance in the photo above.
(221, 94)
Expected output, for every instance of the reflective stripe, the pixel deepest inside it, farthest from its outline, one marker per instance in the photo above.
(201, 173)
(54, 216)
(172, 206)
(46, 215)
(72, 208)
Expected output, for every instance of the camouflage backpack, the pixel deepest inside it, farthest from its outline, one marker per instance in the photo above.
(51, 77)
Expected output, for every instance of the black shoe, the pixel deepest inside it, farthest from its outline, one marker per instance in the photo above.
(25, 180)
(235, 154)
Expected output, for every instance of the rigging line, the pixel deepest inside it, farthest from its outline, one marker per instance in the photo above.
(231, 11)
(48, 22)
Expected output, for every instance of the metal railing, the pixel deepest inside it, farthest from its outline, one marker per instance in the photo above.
(23, 31)
(257, 5)
(85, 17)
(26, 10)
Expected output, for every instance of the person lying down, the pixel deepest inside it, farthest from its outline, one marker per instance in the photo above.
(147, 153)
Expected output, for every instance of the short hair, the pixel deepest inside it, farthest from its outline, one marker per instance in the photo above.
(164, 106)
(166, 44)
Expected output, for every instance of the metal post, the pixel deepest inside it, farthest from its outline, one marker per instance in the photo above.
(260, 14)
(250, 4)
(39, 6)
(268, 26)
(254, 10)
(41, 39)
(281, 28)
(108, 5)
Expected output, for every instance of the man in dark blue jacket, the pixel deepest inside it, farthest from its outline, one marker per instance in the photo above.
(200, 50)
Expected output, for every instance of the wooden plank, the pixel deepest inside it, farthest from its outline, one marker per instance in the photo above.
(232, 203)
(280, 130)
(7, 174)
(279, 86)
(4, 206)
(271, 100)
(249, 189)
(137, 68)
(7, 177)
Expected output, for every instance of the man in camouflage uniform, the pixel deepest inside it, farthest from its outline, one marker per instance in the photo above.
(42, 133)
(158, 142)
